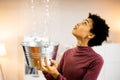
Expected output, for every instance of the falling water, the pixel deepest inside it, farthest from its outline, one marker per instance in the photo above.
(40, 14)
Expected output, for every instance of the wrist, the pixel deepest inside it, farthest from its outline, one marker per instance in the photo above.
(55, 75)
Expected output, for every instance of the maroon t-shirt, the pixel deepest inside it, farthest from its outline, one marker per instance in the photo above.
(79, 63)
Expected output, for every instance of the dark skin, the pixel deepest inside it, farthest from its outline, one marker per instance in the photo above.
(82, 33)
(51, 69)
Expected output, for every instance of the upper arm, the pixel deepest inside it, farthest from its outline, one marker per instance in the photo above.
(94, 69)
(61, 63)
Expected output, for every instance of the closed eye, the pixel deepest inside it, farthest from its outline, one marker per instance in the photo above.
(85, 22)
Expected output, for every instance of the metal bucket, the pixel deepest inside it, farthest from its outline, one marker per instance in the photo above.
(33, 51)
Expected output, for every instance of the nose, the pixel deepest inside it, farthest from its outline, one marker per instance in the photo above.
(78, 24)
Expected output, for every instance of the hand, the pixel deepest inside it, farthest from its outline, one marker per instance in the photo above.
(51, 69)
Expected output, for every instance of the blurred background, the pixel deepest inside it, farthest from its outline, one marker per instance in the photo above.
(54, 19)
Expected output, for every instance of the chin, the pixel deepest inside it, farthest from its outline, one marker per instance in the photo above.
(73, 31)
(74, 35)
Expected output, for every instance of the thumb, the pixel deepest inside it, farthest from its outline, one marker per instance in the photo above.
(53, 62)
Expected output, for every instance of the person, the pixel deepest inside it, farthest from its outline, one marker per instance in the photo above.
(80, 62)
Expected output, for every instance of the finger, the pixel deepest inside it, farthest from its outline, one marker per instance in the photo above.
(40, 62)
(45, 69)
(53, 62)
(40, 65)
(46, 62)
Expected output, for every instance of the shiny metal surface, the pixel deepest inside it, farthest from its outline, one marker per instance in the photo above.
(33, 51)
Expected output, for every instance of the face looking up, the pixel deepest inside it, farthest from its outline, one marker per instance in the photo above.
(82, 29)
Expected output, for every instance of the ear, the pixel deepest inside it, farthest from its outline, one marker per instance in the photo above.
(91, 35)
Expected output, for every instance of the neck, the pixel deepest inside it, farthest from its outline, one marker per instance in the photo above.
(82, 42)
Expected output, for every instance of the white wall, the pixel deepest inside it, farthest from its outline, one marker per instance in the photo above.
(111, 56)
(17, 20)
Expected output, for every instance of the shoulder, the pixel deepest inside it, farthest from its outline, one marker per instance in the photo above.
(98, 59)
(68, 51)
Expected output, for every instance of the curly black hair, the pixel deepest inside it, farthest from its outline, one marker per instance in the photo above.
(100, 30)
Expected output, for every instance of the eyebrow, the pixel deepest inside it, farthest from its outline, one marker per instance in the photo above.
(87, 20)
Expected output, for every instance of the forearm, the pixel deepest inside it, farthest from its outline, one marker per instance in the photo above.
(55, 75)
